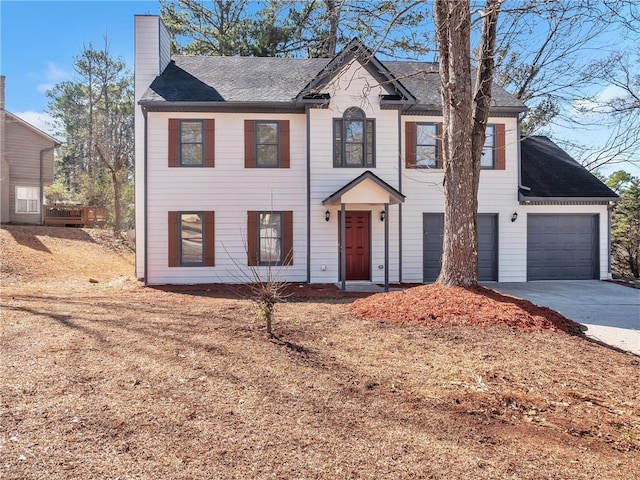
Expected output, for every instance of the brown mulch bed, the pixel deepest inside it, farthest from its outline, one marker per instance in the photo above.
(437, 305)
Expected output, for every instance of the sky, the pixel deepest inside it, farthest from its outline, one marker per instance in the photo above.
(39, 40)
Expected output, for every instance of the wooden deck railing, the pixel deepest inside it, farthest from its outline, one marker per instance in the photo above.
(85, 216)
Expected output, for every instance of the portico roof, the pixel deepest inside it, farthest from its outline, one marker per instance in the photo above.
(367, 188)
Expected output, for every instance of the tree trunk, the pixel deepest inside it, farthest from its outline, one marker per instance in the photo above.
(465, 113)
(460, 250)
(117, 203)
(333, 15)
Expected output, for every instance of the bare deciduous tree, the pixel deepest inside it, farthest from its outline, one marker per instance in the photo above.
(619, 110)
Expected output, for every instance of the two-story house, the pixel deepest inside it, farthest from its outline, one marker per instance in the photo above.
(26, 166)
(330, 170)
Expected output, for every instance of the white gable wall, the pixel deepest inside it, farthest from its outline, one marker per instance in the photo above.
(354, 87)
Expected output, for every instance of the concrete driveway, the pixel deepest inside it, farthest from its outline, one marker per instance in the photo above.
(610, 312)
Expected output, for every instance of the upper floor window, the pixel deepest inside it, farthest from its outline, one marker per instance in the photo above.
(191, 143)
(27, 200)
(423, 146)
(266, 144)
(428, 145)
(354, 139)
(488, 159)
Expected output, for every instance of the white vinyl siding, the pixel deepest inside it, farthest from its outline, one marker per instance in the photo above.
(229, 189)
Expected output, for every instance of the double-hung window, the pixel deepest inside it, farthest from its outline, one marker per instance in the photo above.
(266, 144)
(423, 147)
(27, 200)
(270, 238)
(354, 139)
(191, 239)
(191, 142)
(427, 146)
(488, 159)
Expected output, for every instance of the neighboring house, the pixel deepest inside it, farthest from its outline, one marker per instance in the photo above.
(325, 167)
(26, 167)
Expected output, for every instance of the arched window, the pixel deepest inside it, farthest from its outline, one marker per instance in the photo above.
(354, 139)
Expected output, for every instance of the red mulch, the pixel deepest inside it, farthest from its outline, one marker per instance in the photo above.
(437, 305)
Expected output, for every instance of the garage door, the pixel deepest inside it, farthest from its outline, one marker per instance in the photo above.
(562, 247)
(433, 224)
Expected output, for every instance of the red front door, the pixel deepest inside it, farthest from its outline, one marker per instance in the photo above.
(357, 246)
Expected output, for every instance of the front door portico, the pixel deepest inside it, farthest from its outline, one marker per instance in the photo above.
(355, 226)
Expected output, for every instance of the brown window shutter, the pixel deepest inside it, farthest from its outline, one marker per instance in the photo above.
(209, 239)
(410, 145)
(174, 141)
(439, 151)
(249, 144)
(210, 143)
(174, 239)
(285, 154)
(501, 154)
(287, 237)
(252, 238)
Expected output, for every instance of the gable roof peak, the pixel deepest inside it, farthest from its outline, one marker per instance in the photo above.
(357, 50)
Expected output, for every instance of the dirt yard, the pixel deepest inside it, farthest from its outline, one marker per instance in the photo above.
(111, 380)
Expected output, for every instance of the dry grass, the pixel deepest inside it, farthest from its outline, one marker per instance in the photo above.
(113, 380)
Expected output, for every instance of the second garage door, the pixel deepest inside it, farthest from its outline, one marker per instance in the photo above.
(487, 246)
(562, 247)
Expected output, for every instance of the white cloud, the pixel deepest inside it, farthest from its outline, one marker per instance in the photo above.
(596, 104)
(54, 74)
(40, 120)
(610, 93)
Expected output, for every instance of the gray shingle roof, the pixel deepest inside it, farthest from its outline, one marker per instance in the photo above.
(550, 172)
(279, 80)
(422, 79)
(232, 79)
